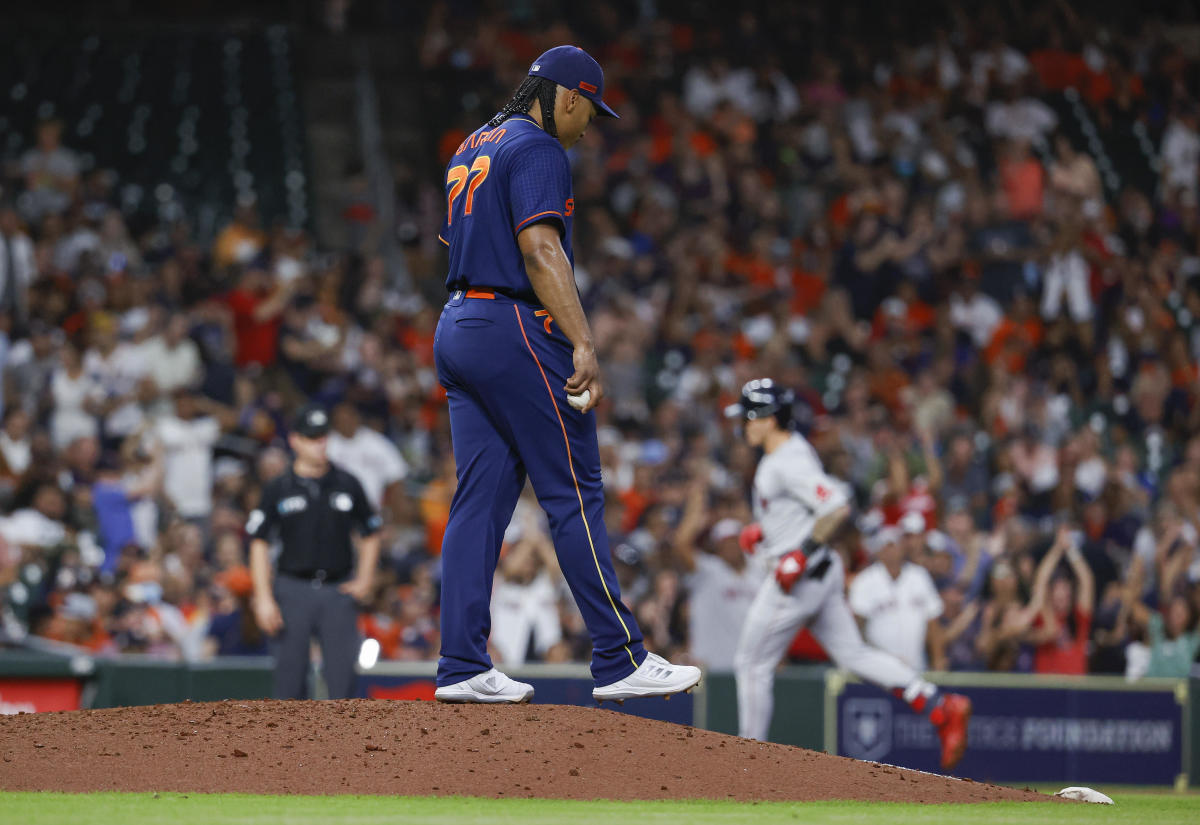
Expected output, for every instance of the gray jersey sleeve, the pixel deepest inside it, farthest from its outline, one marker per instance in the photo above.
(808, 483)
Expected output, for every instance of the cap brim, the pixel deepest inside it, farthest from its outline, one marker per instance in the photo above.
(605, 110)
(735, 411)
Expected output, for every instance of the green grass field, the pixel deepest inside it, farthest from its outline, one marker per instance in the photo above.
(245, 809)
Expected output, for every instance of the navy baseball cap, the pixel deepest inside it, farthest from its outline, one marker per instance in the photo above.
(311, 422)
(573, 68)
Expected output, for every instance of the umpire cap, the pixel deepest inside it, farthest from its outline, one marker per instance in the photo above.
(311, 422)
(761, 398)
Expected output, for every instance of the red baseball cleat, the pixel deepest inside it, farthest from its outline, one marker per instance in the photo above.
(950, 718)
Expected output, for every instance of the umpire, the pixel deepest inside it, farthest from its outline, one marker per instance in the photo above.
(312, 510)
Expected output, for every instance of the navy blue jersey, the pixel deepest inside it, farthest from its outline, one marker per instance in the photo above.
(499, 182)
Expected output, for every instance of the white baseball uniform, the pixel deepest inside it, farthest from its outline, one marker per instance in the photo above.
(897, 611)
(726, 594)
(791, 492)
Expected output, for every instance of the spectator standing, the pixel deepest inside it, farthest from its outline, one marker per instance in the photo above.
(1068, 277)
(1063, 608)
(76, 396)
(368, 454)
(1173, 637)
(242, 239)
(232, 630)
(51, 172)
(18, 270)
(972, 311)
(1023, 180)
(525, 617)
(961, 623)
(113, 497)
(173, 358)
(897, 603)
(16, 451)
(1074, 175)
(119, 369)
(1181, 153)
(257, 305)
(188, 437)
(722, 585)
(1005, 621)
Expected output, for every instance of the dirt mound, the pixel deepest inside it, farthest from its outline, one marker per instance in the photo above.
(423, 748)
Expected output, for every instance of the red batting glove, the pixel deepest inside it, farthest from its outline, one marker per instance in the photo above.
(751, 535)
(790, 569)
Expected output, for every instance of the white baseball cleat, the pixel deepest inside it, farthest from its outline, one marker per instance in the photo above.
(655, 677)
(490, 687)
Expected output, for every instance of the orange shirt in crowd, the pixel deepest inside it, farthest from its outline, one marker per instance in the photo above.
(233, 240)
(807, 291)
(636, 503)
(743, 348)
(1024, 182)
(435, 513)
(703, 144)
(918, 317)
(1012, 342)
(384, 629)
(888, 386)
(752, 269)
(417, 339)
(1058, 69)
(1185, 376)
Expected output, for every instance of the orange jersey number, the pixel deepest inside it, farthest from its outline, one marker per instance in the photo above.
(456, 179)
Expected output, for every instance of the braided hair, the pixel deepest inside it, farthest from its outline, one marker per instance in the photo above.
(533, 88)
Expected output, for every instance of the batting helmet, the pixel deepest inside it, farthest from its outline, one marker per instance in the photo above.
(760, 398)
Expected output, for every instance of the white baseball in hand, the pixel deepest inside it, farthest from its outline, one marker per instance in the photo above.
(580, 401)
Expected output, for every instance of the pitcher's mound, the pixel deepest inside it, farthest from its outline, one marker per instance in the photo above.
(423, 748)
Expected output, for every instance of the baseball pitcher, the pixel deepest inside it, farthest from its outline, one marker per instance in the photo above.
(515, 353)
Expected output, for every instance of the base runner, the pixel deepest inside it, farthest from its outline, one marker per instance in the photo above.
(799, 508)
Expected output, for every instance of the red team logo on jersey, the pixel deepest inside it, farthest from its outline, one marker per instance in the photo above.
(823, 492)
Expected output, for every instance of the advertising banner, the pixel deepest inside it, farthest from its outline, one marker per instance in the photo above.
(1028, 734)
(20, 695)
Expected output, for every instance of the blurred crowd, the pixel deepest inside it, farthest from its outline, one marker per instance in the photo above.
(993, 345)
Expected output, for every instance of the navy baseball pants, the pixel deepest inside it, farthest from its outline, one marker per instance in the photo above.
(503, 364)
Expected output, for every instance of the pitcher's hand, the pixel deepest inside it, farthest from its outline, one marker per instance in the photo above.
(586, 377)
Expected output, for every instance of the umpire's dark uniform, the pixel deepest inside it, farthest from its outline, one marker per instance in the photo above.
(313, 519)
